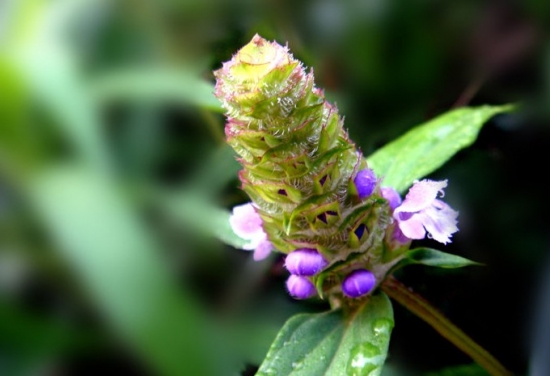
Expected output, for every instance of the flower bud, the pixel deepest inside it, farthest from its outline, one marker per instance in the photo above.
(365, 182)
(390, 194)
(358, 283)
(305, 262)
(300, 287)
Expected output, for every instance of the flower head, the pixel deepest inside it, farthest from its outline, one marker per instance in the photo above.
(358, 283)
(247, 224)
(422, 212)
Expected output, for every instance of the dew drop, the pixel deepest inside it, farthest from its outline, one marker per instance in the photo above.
(382, 326)
(364, 359)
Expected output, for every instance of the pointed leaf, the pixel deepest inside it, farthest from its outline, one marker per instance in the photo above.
(333, 344)
(119, 264)
(433, 257)
(194, 211)
(156, 84)
(426, 147)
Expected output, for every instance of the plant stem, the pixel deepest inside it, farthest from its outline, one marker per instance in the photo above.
(423, 309)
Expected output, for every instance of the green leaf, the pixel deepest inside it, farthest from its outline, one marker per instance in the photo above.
(57, 82)
(119, 265)
(156, 84)
(428, 146)
(332, 343)
(214, 174)
(433, 257)
(192, 205)
(194, 211)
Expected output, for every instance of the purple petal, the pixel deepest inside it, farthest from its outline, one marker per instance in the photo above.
(390, 194)
(421, 195)
(245, 222)
(358, 283)
(300, 287)
(263, 250)
(422, 212)
(440, 221)
(305, 262)
(365, 182)
(398, 236)
(412, 228)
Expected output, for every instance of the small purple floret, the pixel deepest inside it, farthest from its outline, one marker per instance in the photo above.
(300, 287)
(365, 182)
(358, 283)
(390, 194)
(305, 262)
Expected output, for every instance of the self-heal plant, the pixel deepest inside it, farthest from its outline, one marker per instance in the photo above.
(338, 216)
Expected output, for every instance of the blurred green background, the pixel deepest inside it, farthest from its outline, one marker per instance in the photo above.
(115, 183)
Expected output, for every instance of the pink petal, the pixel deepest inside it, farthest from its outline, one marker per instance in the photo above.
(245, 222)
(393, 197)
(253, 241)
(440, 223)
(421, 196)
(398, 236)
(413, 227)
(263, 250)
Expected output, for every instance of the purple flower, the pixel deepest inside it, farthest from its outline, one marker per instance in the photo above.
(399, 237)
(422, 212)
(358, 283)
(305, 262)
(365, 182)
(390, 194)
(247, 224)
(300, 287)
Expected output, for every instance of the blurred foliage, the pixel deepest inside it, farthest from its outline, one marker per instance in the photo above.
(115, 183)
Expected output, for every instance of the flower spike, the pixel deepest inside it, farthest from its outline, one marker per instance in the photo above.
(314, 197)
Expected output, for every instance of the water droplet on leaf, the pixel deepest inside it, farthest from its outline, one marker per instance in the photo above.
(382, 326)
(364, 359)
